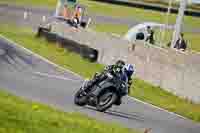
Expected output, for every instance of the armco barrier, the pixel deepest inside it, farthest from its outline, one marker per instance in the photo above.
(85, 51)
(177, 72)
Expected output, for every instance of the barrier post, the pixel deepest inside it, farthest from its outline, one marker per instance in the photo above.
(43, 18)
(25, 15)
(89, 21)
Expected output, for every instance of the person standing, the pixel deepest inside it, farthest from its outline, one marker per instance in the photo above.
(181, 43)
(150, 36)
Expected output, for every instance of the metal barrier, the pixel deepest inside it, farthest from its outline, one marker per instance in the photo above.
(85, 51)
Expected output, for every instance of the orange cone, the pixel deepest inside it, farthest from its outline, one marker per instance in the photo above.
(65, 12)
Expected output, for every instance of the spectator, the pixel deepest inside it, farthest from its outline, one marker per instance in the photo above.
(181, 43)
(77, 16)
(66, 11)
(150, 36)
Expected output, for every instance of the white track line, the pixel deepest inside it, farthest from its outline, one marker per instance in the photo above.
(55, 76)
(82, 78)
(156, 107)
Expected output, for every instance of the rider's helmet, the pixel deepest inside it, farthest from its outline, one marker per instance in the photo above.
(120, 64)
(128, 69)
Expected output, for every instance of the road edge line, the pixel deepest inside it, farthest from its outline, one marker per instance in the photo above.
(156, 107)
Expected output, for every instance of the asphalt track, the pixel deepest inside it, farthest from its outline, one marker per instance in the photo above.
(26, 75)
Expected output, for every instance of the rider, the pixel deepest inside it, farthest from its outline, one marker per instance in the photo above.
(127, 72)
(117, 67)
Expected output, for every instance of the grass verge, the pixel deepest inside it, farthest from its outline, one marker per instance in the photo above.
(20, 116)
(74, 62)
(114, 10)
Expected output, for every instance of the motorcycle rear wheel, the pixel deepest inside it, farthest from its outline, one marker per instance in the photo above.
(106, 100)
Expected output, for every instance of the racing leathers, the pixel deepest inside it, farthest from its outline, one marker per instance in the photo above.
(101, 76)
(113, 69)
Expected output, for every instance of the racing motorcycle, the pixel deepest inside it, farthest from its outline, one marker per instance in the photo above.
(103, 94)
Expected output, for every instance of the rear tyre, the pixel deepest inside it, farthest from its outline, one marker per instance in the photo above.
(106, 100)
(80, 98)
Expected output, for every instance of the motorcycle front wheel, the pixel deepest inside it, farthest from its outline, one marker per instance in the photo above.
(106, 100)
(80, 98)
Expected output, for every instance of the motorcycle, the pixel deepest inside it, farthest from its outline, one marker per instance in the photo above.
(103, 94)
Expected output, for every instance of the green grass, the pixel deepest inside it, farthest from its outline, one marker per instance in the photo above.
(193, 41)
(191, 38)
(20, 116)
(113, 10)
(74, 62)
(175, 4)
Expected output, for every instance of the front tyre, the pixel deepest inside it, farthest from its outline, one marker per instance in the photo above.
(80, 98)
(106, 100)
